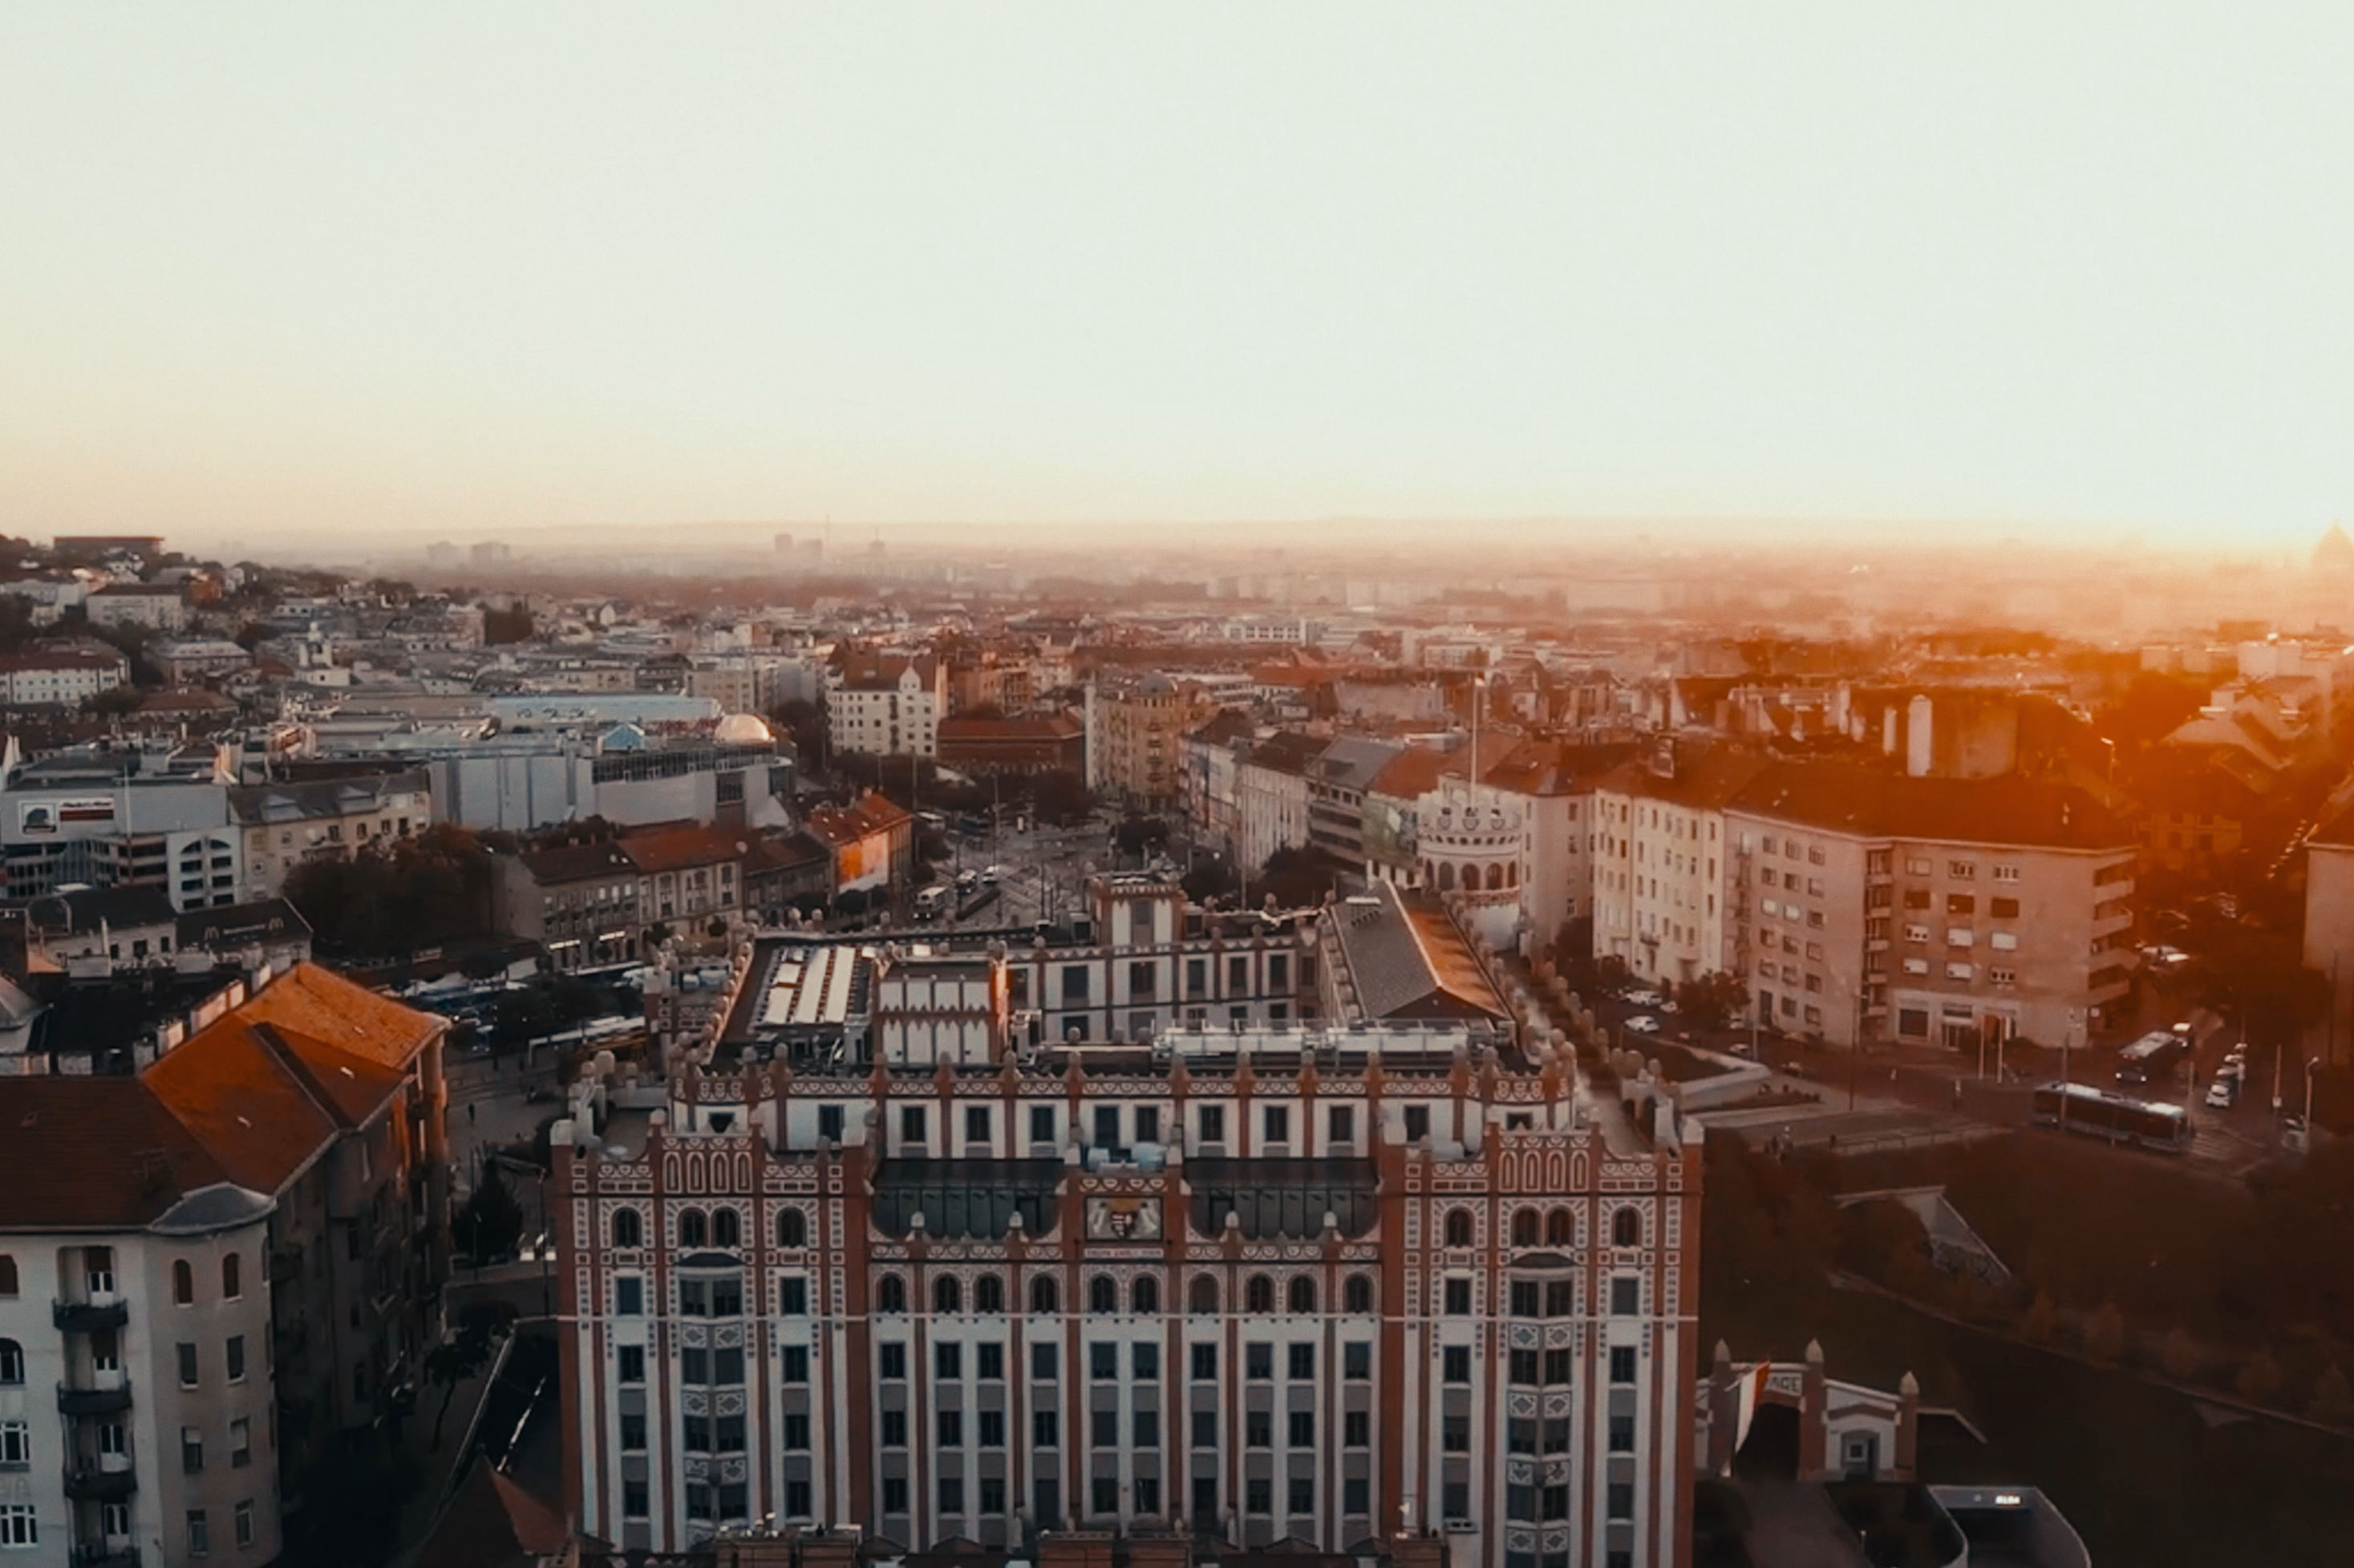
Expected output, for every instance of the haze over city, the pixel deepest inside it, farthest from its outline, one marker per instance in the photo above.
(281, 275)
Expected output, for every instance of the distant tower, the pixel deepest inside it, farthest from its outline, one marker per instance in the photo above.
(2335, 553)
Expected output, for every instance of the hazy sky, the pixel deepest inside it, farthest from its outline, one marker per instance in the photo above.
(305, 271)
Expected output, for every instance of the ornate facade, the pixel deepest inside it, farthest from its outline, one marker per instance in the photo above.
(1323, 1286)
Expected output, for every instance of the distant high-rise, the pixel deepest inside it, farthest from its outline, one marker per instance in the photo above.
(491, 553)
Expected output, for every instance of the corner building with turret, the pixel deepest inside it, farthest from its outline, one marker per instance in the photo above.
(1400, 1265)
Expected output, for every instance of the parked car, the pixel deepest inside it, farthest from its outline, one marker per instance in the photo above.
(2220, 1094)
(1643, 1024)
(1644, 998)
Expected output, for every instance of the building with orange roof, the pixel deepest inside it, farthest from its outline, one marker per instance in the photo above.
(871, 841)
(227, 1266)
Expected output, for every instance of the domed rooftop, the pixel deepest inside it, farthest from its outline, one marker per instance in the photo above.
(743, 729)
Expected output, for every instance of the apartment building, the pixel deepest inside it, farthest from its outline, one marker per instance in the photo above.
(580, 902)
(159, 607)
(284, 825)
(1658, 857)
(890, 705)
(1280, 1288)
(1136, 734)
(1947, 911)
(1272, 796)
(60, 677)
(215, 1274)
(2329, 935)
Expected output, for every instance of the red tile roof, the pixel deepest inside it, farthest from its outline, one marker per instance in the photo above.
(248, 1099)
(676, 848)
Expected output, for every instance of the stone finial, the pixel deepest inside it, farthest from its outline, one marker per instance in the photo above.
(1909, 1386)
(1725, 1355)
(1814, 1352)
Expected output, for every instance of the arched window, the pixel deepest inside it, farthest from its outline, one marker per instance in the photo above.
(232, 1284)
(1495, 878)
(626, 1229)
(1202, 1295)
(8, 1275)
(1144, 1295)
(1561, 1228)
(12, 1361)
(1102, 1295)
(1259, 1294)
(989, 1294)
(727, 1229)
(183, 1281)
(1302, 1294)
(1446, 876)
(890, 1294)
(1458, 1227)
(1043, 1295)
(1524, 1228)
(1626, 1228)
(691, 1229)
(947, 1296)
(1357, 1293)
(1512, 874)
(792, 1228)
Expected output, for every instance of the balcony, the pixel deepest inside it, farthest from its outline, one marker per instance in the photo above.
(88, 1317)
(103, 1556)
(87, 1483)
(95, 1400)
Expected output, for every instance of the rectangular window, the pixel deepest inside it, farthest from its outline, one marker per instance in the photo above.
(1557, 1365)
(235, 1354)
(1340, 1124)
(989, 1429)
(948, 1358)
(797, 1431)
(950, 1426)
(1275, 1124)
(1622, 1500)
(895, 1494)
(1622, 1433)
(1357, 1361)
(893, 1428)
(1205, 1429)
(1144, 1428)
(1356, 1430)
(1046, 1431)
(1141, 979)
(951, 1494)
(240, 1443)
(1103, 1361)
(1259, 1361)
(1622, 1363)
(1279, 971)
(1041, 1124)
(1455, 1434)
(1211, 1124)
(633, 1359)
(188, 1365)
(794, 1360)
(1557, 1434)
(1458, 1498)
(1144, 1361)
(1205, 1361)
(1625, 1297)
(1197, 977)
(1522, 1296)
(1455, 1363)
(792, 1297)
(1417, 1124)
(1046, 1498)
(829, 1123)
(912, 1126)
(633, 1431)
(1521, 1366)
(989, 1361)
(890, 1358)
(1104, 1494)
(1074, 985)
(200, 1534)
(1258, 1429)
(628, 1295)
(1302, 1360)
(1042, 1360)
(1560, 1297)
(976, 1124)
(797, 1498)
(1459, 1297)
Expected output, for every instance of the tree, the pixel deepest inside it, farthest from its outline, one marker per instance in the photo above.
(2333, 1400)
(1294, 878)
(2260, 1379)
(1136, 834)
(462, 1355)
(1061, 797)
(507, 626)
(1712, 1001)
(2104, 1336)
(251, 635)
(803, 723)
(492, 1221)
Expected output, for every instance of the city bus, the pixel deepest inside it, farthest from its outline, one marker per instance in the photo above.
(2120, 1118)
(2149, 1059)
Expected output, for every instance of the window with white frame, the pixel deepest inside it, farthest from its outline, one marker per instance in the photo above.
(16, 1527)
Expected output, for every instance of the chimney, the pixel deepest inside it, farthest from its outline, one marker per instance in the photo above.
(1888, 731)
(1812, 1432)
(1917, 726)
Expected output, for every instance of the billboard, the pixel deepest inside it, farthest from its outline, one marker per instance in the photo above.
(37, 817)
